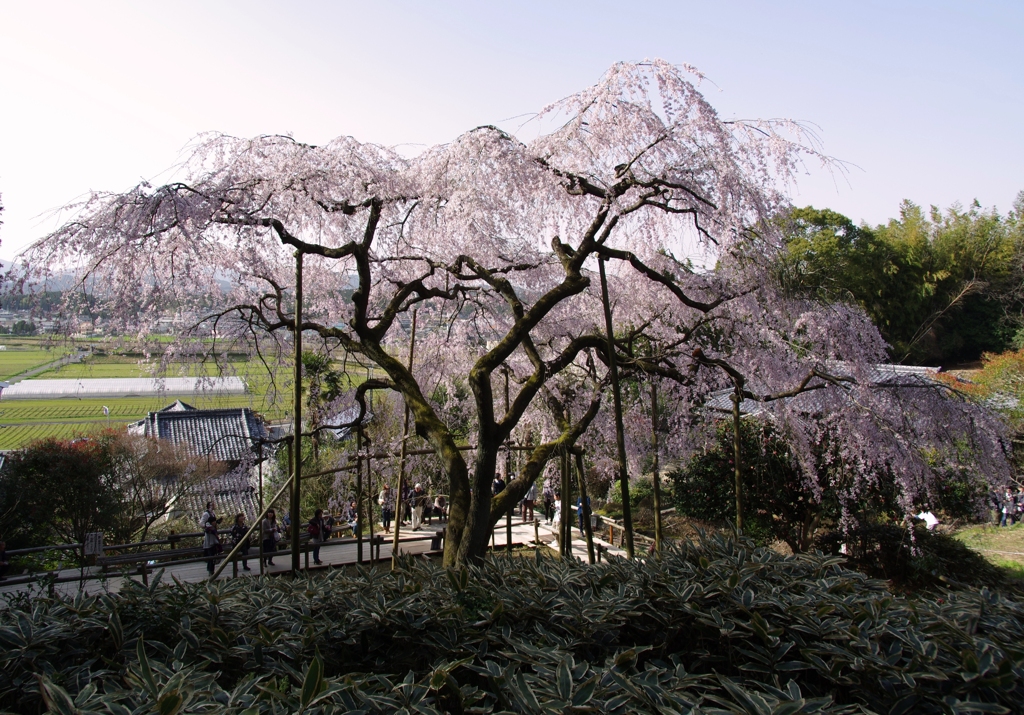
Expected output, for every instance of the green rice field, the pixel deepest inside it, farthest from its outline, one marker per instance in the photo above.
(24, 421)
(22, 357)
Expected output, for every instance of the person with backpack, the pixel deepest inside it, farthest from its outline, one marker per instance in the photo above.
(317, 528)
(239, 532)
(549, 502)
(211, 541)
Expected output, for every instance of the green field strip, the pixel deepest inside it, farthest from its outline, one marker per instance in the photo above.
(15, 361)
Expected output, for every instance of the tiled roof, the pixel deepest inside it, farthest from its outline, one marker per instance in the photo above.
(226, 435)
(231, 493)
(811, 402)
(346, 417)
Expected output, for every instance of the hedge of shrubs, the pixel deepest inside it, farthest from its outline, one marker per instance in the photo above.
(719, 626)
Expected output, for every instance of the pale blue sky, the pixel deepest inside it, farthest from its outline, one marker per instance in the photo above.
(924, 98)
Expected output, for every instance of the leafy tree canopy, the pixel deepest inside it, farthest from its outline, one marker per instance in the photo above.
(942, 287)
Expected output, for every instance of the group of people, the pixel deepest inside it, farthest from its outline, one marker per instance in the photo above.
(1010, 507)
(552, 505)
(416, 507)
(319, 529)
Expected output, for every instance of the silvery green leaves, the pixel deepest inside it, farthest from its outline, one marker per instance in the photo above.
(716, 627)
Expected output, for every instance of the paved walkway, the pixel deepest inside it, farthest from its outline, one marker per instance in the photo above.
(333, 554)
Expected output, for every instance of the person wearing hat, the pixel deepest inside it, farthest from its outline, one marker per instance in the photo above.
(419, 500)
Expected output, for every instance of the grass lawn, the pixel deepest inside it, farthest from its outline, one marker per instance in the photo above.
(1003, 546)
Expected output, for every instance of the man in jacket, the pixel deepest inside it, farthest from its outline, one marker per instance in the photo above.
(419, 500)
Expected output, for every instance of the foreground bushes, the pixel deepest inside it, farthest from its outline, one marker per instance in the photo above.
(719, 627)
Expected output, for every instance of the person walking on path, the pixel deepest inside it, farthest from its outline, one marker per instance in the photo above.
(549, 502)
(317, 529)
(528, 501)
(418, 500)
(387, 507)
(211, 541)
(238, 536)
(271, 532)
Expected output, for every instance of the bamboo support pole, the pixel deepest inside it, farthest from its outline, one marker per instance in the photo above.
(405, 455)
(588, 529)
(620, 436)
(656, 476)
(297, 430)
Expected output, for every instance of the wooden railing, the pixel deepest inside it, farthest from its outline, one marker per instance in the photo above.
(143, 562)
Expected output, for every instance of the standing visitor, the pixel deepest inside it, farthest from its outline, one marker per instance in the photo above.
(498, 485)
(528, 501)
(352, 516)
(238, 533)
(387, 507)
(406, 495)
(271, 535)
(549, 502)
(579, 510)
(556, 520)
(211, 542)
(418, 500)
(1008, 508)
(317, 528)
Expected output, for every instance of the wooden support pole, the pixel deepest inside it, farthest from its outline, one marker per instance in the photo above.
(405, 454)
(566, 525)
(359, 493)
(297, 421)
(508, 479)
(656, 475)
(737, 397)
(588, 529)
(620, 432)
(369, 500)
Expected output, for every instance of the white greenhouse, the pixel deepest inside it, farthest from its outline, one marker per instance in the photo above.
(123, 387)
